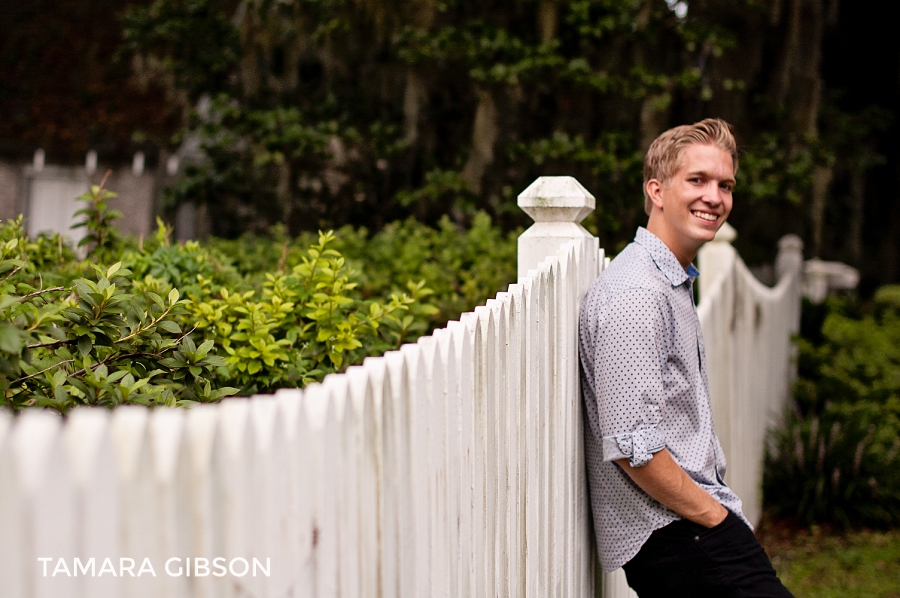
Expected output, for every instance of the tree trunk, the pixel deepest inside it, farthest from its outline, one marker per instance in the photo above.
(857, 206)
(484, 135)
(821, 182)
(414, 97)
(245, 20)
(547, 21)
(798, 84)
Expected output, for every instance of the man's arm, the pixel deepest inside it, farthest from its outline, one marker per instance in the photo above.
(663, 479)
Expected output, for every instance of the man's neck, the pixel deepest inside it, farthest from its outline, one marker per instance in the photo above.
(685, 256)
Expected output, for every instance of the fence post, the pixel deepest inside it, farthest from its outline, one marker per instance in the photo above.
(790, 256)
(716, 258)
(557, 204)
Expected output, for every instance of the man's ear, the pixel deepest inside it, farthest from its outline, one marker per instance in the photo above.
(654, 192)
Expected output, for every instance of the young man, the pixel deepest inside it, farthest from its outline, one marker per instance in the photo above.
(655, 467)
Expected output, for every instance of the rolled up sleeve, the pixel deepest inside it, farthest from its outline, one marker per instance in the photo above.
(629, 356)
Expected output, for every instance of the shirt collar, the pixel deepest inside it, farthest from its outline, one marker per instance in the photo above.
(664, 259)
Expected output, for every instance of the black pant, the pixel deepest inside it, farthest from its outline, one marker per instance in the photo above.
(687, 559)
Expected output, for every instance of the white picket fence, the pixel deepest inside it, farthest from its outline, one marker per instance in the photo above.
(747, 329)
(452, 467)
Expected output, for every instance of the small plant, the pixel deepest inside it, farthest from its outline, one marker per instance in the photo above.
(102, 239)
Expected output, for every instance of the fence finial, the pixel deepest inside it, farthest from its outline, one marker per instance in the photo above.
(716, 259)
(90, 161)
(557, 204)
(790, 256)
(38, 162)
(725, 234)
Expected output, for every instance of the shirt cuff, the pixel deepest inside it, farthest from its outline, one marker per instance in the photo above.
(638, 446)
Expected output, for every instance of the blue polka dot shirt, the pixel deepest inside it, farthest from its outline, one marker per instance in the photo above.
(644, 388)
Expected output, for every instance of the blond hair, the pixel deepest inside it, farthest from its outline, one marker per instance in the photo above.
(663, 159)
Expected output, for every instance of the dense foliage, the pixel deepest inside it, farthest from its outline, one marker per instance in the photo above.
(95, 340)
(838, 458)
(174, 323)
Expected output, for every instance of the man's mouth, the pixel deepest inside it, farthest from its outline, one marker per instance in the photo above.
(705, 216)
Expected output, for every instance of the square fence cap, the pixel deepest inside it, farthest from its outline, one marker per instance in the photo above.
(556, 199)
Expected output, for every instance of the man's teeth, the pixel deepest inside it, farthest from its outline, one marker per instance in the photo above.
(705, 216)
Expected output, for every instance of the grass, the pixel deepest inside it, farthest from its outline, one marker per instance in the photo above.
(820, 563)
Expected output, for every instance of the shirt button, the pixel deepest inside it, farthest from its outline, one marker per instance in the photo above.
(696, 538)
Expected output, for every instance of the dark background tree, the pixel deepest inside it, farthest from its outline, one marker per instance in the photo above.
(324, 112)
(61, 91)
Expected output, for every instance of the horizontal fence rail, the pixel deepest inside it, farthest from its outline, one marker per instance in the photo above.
(452, 467)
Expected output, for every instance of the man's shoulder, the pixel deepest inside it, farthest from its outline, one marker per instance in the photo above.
(631, 281)
(632, 269)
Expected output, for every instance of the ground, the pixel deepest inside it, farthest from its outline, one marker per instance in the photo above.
(828, 563)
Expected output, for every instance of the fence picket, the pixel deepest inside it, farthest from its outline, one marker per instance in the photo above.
(452, 472)
(12, 546)
(347, 441)
(367, 411)
(200, 426)
(531, 290)
(399, 489)
(267, 466)
(515, 388)
(474, 324)
(417, 403)
(96, 505)
(44, 502)
(232, 462)
(463, 347)
(300, 525)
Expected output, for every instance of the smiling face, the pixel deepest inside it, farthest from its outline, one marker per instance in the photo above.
(690, 207)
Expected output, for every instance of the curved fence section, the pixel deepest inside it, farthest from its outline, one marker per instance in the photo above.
(748, 331)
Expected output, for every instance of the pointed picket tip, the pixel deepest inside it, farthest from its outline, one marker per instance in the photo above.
(83, 436)
(263, 416)
(33, 439)
(290, 404)
(315, 405)
(166, 435)
(357, 383)
(234, 418)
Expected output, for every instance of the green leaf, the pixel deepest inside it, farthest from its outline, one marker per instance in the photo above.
(204, 348)
(169, 326)
(85, 345)
(10, 339)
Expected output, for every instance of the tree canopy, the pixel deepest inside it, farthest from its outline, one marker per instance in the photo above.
(320, 113)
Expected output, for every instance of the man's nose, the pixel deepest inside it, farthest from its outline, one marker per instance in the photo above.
(712, 194)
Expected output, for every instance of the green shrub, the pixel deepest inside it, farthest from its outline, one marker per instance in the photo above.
(97, 341)
(838, 457)
(181, 265)
(239, 316)
(462, 268)
(303, 323)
